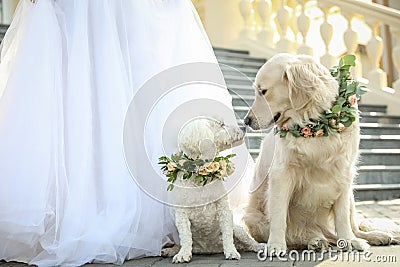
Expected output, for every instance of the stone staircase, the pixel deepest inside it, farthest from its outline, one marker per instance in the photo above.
(379, 167)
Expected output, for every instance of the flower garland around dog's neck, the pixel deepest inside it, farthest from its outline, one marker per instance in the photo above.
(201, 171)
(343, 112)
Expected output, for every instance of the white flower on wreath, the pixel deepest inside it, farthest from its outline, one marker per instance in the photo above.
(171, 166)
(353, 100)
(203, 171)
(211, 166)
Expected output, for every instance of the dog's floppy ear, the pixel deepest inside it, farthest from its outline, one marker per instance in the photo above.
(304, 80)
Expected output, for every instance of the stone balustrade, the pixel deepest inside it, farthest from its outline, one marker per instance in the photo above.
(325, 29)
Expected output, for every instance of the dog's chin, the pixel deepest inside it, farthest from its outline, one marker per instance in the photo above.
(269, 125)
(260, 127)
(238, 142)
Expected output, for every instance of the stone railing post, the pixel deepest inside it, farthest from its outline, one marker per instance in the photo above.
(396, 56)
(246, 9)
(266, 35)
(326, 31)
(284, 14)
(377, 77)
(350, 38)
(303, 24)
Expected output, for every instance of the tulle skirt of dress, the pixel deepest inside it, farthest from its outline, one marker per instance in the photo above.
(68, 71)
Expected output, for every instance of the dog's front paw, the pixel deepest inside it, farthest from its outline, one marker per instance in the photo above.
(276, 249)
(231, 254)
(378, 238)
(259, 247)
(170, 252)
(353, 244)
(181, 257)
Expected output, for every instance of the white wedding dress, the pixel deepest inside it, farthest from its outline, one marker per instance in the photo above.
(68, 71)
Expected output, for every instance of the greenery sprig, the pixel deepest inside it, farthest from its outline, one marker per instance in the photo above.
(343, 112)
(201, 171)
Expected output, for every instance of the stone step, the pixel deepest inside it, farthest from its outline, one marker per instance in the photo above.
(221, 49)
(241, 90)
(372, 108)
(376, 191)
(240, 63)
(379, 128)
(387, 157)
(380, 141)
(378, 174)
(238, 57)
(239, 80)
(366, 142)
(248, 72)
(379, 117)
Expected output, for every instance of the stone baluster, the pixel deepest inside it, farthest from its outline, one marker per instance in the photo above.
(326, 31)
(283, 16)
(350, 38)
(396, 56)
(246, 9)
(266, 35)
(292, 4)
(303, 24)
(377, 77)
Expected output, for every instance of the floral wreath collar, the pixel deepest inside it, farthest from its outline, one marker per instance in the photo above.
(343, 112)
(201, 171)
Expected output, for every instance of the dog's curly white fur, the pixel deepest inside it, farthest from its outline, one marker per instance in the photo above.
(209, 228)
(306, 201)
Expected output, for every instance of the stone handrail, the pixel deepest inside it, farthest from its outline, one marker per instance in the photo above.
(374, 11)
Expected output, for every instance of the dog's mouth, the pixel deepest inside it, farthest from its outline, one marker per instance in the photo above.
(276, 117)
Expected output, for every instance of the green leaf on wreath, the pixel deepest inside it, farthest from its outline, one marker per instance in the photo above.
(336, 108)
(347, 60)
(170, 187)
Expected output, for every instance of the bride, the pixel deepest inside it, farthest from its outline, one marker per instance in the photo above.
(68, 71)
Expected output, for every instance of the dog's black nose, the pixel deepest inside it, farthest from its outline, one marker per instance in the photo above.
(247, 121)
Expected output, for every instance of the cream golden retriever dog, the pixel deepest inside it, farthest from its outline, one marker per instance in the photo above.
(306, 200)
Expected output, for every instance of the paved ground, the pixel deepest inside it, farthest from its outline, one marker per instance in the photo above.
(386, 213)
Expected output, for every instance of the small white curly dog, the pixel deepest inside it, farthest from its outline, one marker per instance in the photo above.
(307, 198)
(209, 228)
